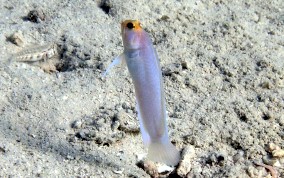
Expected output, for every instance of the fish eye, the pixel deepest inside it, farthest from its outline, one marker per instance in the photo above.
(130, 25)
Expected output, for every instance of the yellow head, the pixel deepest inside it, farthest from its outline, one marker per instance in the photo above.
(131, 25)
(132, 34)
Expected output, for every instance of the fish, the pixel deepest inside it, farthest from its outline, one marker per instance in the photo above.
(143, 65)
(33, 54)
(45, 57)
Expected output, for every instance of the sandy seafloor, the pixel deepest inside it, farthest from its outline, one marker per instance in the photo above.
(222, 64)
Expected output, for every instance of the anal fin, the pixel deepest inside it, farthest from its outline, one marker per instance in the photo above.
(145, 136)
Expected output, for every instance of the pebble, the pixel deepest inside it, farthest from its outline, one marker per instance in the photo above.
(70, 157)
(115, 125)
(270, 161)
(17, 38)
(150, 168)
(3, 149)
(253, 172)
(186, 158)
(239, 156)
(155, 169)
(172, 68)
(278, 153)
(281, 161)
(141, 156)
(272, 147)
(77, 124)
(127, 123)
(36, 16)
(165, 18)
(185, 65)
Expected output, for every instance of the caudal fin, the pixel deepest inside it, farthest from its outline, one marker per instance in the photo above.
(164, 152)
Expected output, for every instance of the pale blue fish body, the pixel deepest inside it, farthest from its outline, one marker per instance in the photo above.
(144, 68)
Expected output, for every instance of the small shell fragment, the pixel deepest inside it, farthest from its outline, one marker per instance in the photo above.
(120, 171)
(165, 168)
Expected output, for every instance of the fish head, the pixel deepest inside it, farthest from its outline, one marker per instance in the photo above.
(132, 34)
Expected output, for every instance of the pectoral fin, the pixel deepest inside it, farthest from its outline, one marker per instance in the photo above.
(118, 60)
